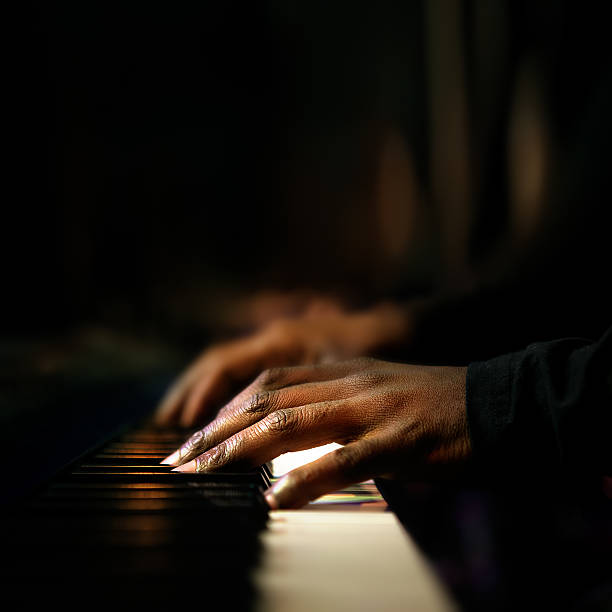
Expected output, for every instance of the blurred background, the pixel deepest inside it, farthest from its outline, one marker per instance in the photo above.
(166, 163)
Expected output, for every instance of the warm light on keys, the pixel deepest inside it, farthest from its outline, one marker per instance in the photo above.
(289, 461)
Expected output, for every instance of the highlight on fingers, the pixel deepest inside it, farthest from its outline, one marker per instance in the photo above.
(194, 445)
(281, 431)
(271, 391)
(332, 472)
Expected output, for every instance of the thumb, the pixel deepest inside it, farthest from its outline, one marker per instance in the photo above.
(336, 470)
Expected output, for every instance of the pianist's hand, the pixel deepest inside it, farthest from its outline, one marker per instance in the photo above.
(321, 334)
(395, 420)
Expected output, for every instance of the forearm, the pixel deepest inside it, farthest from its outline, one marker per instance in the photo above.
(546, 409)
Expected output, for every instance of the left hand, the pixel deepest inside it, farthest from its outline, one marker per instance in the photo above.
(324, 332)
(394, 420)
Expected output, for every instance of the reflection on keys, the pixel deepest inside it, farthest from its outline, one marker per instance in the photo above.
(119, 525)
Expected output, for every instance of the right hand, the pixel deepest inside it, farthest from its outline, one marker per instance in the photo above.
(395, 421)
(315, 337)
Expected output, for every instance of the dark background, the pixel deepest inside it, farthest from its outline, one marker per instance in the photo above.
(164, 148)
(154, 149)
(161, 157)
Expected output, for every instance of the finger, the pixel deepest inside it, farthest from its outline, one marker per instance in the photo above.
(247, 409)
(287, 429)
(211, 380)
(203, 394)
(187, 400)
(345, 466)
(239, 359)
(273, 389)
(170, 407)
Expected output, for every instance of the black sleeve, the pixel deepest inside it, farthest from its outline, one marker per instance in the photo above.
(547, 409)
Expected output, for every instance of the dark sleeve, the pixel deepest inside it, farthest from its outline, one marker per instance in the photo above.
(547, 409)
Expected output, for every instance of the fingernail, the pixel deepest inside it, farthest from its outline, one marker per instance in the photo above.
(172, 459)
(271, 500)
(274, 494)
(190, 466)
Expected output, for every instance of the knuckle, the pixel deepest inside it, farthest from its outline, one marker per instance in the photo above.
(281, 421)
(259, 402)
(218, 456)
(194, 441)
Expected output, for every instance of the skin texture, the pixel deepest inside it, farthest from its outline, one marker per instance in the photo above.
(394, 420)
(320, 335)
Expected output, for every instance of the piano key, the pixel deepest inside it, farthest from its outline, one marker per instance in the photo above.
(125, 467)
(153, 485)
(231, 502)
(118, 521)
(156, 493)
(237, 479)
(141, 448)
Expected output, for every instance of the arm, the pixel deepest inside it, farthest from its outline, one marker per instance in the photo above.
(549, 405)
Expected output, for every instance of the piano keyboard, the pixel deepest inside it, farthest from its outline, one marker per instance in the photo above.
(125, 528)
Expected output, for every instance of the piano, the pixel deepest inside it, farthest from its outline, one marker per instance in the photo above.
(114, 527)
(93, 520)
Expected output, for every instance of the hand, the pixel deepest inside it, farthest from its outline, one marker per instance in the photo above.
(322, 334)
(395, 420)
